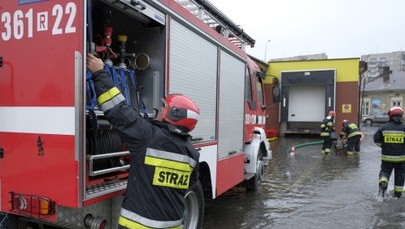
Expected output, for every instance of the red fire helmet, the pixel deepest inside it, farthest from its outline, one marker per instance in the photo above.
(332, 113)
(180, 111)
(395, 111)
(344, 122)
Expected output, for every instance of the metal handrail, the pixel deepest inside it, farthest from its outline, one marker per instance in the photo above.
(93, 158)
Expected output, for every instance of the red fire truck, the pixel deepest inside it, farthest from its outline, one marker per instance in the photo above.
(61, 162)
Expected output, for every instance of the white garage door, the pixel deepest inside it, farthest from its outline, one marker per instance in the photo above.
(307, 104)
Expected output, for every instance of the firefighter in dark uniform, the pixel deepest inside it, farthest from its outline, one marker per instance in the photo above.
(327, 126)
(351, 132)
(164, 163)
(390, 137)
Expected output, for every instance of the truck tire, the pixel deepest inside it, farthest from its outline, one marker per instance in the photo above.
(194, 212)
(254, 183)
(13, 222)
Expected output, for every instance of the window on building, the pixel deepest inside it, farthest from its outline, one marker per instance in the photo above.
(396, 101)
(376, 104)
(366, 107)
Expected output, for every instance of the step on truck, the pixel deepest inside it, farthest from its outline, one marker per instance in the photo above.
(61, 162)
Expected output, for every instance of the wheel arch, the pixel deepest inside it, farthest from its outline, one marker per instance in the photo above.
(204, 176)
(258, 144)
(264, 144)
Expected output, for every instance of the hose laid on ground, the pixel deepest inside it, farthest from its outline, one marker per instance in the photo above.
(293, 148)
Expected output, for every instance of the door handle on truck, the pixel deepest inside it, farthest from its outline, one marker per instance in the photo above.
(1, 61)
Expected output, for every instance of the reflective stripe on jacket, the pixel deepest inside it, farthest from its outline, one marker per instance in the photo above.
(171, 169)
(327, 126)
(350, 130)
(132, 220)
(390, 137)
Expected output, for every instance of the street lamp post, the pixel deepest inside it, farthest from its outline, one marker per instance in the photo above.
(265, 51)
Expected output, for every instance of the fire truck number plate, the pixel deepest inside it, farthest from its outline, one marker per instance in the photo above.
(58, 20)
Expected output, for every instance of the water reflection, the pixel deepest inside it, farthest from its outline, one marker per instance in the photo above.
(390, 214)
(310, 190)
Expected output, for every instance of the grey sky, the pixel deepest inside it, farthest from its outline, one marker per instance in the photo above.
(339, 28)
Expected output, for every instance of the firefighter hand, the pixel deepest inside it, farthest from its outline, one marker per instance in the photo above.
(94, 64)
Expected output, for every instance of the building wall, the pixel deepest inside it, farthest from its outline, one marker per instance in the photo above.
(395, 60)
(347, 85)
(319, 56)
(382, 101)
(347, 102)
(348, 69)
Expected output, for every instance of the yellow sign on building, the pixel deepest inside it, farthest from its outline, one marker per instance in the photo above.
(347, 108)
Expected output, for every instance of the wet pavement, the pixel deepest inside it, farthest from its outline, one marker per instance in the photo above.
(311, 190)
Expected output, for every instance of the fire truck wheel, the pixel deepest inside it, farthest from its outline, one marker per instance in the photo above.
(254, 183)
(13, 221)
(194, 212)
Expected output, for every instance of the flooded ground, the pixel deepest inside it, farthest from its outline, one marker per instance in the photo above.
(310, 190)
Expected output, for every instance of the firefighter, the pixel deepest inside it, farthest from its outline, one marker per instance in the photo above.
(390, 137)
(327, 127)
(352, 134)
(164, 163)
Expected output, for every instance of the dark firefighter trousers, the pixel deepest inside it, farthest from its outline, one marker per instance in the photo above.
(353, 143)
(399, 172)
(327, 144)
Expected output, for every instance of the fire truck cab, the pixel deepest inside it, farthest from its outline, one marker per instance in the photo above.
(61, 162)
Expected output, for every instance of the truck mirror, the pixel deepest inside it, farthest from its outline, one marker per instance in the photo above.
(261, 75)
(275, 81)
(276, 94)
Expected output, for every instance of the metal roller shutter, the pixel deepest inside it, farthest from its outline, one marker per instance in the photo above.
(231, 105)
(193, 72)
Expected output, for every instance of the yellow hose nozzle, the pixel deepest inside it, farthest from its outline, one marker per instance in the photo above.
(122, 38)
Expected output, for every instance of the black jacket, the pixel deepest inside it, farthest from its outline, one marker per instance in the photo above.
(390, 137)
(327, 126)
(350, 130)
(164, 163)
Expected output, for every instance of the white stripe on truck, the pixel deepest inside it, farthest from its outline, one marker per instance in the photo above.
(40, 120)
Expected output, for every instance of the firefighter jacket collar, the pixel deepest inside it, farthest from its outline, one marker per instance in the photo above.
(172, 128)
(396, 119)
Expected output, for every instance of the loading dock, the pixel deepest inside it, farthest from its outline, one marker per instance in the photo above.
(309, 90)
(306, 96)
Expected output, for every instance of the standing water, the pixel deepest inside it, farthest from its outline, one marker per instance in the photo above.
(311, 190)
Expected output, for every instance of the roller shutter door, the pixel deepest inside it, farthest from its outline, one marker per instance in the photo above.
(231, 105)
(193, 72)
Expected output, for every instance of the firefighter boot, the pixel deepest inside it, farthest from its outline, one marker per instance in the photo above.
(357, 147)
(383, 188)
(398, 191)
(327, 151)
(398, 194)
